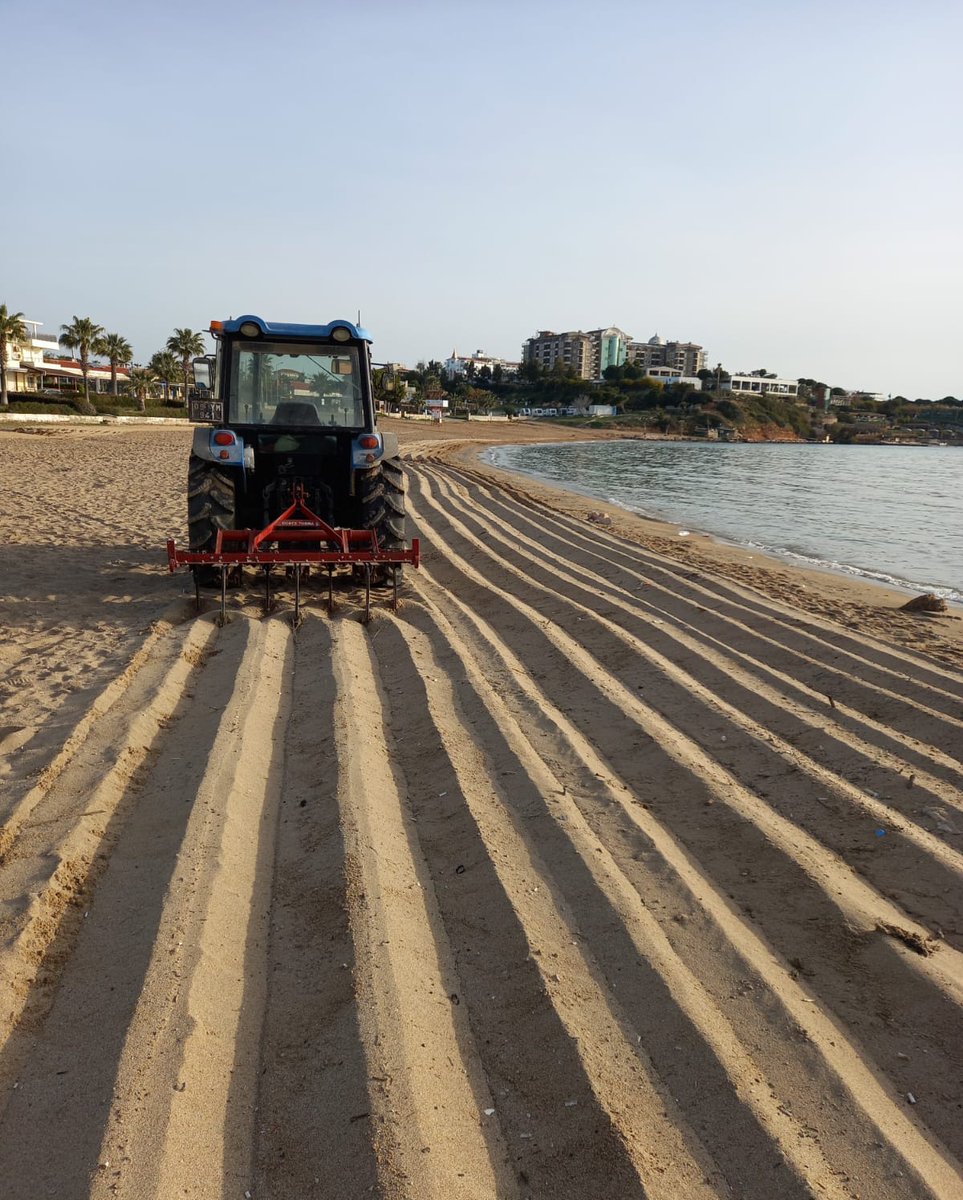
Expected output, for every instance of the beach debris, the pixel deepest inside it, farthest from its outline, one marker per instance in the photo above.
(599, 518)
(881, 833)
(914, 941)
(928, 602)
(489, 1112)
(910, 1097)
(683, 533)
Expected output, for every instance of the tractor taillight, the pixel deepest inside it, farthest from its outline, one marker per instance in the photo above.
(224, 438)
(368, 442)
(224, 454)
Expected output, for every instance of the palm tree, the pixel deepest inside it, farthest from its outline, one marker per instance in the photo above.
(13, 332)
(142, 380)
(188, 345)
(165, 366)
(118, 350)
(81, 335)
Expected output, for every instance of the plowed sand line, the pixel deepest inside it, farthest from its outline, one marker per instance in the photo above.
(858, 798)
(910, 1147)
(733, 594)
(18, 808)
(198, 1015)
(858, 903)
(54, 854)
(639, 605)
(425, 1091)
(636, 1101)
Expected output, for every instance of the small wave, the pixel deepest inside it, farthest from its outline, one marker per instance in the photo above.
(828, 564)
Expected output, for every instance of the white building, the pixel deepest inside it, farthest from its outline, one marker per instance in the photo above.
(35, 366)
(458, 364)
(26, 359)
(759, 385)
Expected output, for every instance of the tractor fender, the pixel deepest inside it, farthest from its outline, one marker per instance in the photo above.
(202, 443)
(234, 454)
(390, 446)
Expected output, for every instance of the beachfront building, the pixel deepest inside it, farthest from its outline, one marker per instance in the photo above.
(585, 355)
(25, 362)
(36, 366)
(760, 385)
(472, 364)
(685, 357)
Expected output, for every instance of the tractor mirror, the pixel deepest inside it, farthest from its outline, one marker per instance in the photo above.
(203, 374)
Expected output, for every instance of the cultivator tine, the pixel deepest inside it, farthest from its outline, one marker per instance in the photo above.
(330, 591)
(394, 589)
(297, 597)
(268, 602)
(197, 592)
(367, 594)
(222, 620)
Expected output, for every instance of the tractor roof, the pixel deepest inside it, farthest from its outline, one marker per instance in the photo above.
(282, 329)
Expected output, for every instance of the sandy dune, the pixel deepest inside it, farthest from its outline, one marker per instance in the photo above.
(613, 865)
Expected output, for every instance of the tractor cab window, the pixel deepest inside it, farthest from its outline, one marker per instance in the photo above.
(279, 384)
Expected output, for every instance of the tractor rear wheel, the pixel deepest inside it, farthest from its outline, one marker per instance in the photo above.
(382, 492)
(210, 507)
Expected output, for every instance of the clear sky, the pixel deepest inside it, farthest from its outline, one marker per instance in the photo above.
(779, 181)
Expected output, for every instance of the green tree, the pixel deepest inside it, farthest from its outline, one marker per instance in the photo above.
(117, 350)
(81, 335)
(13, 332)
(187, 345)
(165, 366)
(143, 380)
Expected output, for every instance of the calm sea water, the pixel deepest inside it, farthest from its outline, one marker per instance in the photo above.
(891, 514)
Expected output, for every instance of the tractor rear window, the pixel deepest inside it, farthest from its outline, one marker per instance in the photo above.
(282, 385)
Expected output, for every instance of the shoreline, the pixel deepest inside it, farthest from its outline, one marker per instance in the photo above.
(786, 558)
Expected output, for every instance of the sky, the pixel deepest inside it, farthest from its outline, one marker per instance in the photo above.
(779, 182)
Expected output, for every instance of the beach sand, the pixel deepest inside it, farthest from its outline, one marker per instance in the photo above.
(616, 863)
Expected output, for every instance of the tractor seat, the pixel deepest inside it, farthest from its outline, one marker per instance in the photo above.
(295, 412)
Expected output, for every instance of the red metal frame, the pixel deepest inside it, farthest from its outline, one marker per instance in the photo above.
(297, 524)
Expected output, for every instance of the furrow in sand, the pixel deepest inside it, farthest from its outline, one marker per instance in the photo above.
(633, 1009)
(833, 921)
(570, 1089)
(169, 966)
(682, 598)
(624, 969)
(782, 832)
(58, 838)
(837, 800)
(760, 711)
(899, 674)
(537, 561)
(428, 1097)
(728, 633)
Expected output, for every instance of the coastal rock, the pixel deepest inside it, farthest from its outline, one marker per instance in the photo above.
(928, 602)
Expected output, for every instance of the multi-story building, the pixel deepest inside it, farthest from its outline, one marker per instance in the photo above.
(35, 366)
(583, 354)
(686, 357)
(25, 361)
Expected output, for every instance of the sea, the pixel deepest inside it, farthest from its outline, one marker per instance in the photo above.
(891, 515)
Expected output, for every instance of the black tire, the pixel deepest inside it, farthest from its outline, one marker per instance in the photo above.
(393, 530)
(210, 507)
(382, 493)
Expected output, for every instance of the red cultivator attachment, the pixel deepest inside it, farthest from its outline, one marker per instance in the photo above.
(296, 541)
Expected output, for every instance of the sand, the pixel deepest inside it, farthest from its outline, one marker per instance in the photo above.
(615, 863)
